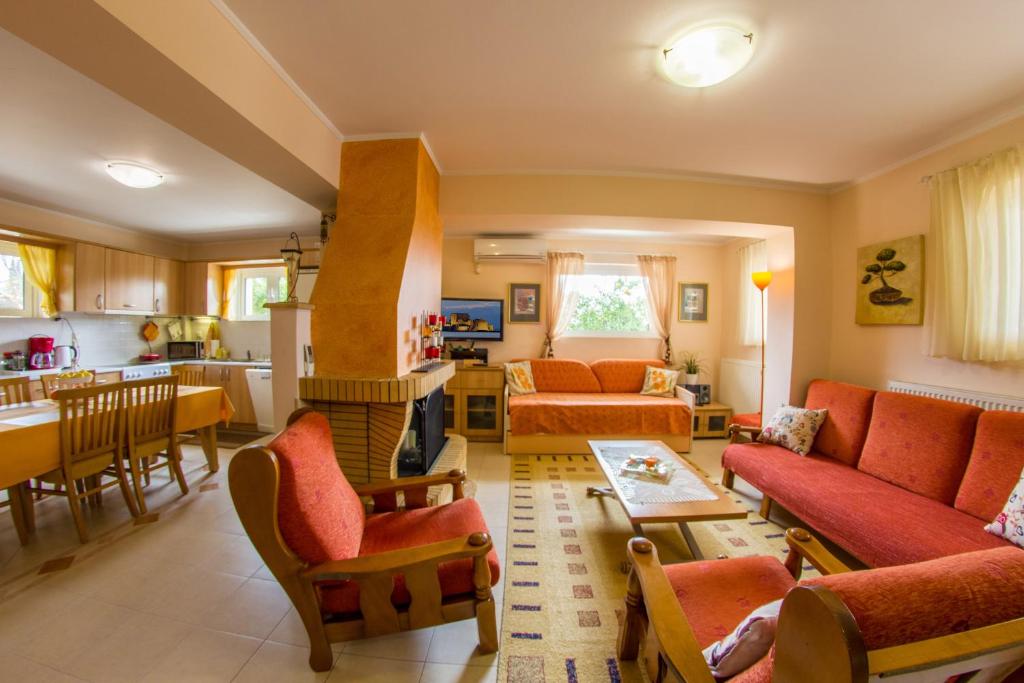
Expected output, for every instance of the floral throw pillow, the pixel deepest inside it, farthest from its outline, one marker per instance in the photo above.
(659, 382)
(519, 377)
(793, 428)
(1009, 523)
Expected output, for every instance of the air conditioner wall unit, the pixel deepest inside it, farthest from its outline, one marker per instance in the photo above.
(510, 249)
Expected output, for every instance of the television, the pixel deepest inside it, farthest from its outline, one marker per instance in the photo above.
(476, 319)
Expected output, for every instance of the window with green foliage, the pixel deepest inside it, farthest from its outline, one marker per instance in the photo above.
(17, 297)
(610, 303)
(259, 286)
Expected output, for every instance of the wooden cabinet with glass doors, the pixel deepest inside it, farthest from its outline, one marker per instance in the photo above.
(474, 403)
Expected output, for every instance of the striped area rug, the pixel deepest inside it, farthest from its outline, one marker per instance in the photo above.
(565, 570)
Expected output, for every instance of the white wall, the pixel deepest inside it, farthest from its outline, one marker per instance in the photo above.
(103, 339)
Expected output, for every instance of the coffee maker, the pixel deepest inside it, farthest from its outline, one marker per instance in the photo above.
(40, 352)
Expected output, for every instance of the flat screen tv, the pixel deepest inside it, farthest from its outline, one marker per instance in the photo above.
(479, 319)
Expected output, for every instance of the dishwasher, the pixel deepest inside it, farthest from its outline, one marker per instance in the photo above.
(261, 390)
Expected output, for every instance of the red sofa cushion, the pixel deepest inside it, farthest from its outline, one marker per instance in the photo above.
(898, 605)
(921, 444)
(409, 528)
(550, 413)
(879, 523)
(623, 376)
(849, 413)
(995, 465)
(564, 376)
(320, 516)
(717, 595)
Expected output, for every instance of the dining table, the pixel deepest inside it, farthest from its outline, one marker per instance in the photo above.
(30, 432)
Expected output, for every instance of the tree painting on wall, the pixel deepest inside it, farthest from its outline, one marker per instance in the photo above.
(891, 286)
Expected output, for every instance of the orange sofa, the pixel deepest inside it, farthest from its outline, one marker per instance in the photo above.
(576, 402)
(892, 478)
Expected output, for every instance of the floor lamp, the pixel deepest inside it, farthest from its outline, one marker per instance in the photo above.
(761, 280)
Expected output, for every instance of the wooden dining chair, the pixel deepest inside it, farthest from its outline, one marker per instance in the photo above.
(51, 383)
(150, 405)
(92, 427)
(14, 390)
(190, 375)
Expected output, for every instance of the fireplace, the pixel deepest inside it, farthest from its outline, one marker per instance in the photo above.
(425, 438)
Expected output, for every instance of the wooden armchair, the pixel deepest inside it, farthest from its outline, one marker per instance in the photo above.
(354, 575)
(930, 621)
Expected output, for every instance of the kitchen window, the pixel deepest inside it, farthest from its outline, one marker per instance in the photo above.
(256, 287)
(18, 298)
(610, 302)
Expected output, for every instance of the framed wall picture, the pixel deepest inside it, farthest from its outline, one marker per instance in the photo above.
(693, 302)
(890, 282)
(523, 303)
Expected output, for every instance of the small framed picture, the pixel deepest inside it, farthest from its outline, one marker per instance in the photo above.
(524, 303)
(693, 302)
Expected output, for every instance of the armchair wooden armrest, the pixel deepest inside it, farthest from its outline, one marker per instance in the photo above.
(804, 546)
(385, 493)
(403, 560)
(735, 430)
(651, 603)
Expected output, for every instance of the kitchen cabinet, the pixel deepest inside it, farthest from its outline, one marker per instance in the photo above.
(168, 287)
(89, 278)
(129, 281)
(474, 403)
(231, 378)
(203, 286)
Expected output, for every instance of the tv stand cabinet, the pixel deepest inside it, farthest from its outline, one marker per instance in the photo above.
(474, 403)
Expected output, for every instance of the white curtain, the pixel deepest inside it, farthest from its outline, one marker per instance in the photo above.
(753, 259)
(659, 275)
(563, 269)
(977, 232)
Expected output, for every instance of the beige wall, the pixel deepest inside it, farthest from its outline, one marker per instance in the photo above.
(889, 206)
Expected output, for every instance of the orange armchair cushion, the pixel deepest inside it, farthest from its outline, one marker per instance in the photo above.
(320, 516)
(716, 595)
(565, 376)
(921, 444)
(849, 414)
(995, 465)
(622, 376)
(408, 529)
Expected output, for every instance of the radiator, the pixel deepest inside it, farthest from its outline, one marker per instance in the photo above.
(974, 398)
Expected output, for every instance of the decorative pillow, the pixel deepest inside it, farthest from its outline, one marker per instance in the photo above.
(659, 381)
(1009, 523)
(519, 377)
(748, 642)
(793, 428)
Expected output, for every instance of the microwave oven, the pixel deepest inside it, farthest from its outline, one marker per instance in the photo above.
(185, 350)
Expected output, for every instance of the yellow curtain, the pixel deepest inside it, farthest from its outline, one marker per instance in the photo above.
(41, 270)
(227, 289)
(659, 274)
(563, 267)
(977, 234)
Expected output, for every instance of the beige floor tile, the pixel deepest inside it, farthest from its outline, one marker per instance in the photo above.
(254, 610)
(190, 593)
(15, 668)
(355, 669)
(457, 643)
(290, 631)
(456, 673)
(204, 656)
(408, 645)
(277, 663)
(81, 627)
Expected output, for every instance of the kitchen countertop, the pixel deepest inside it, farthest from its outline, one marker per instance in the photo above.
(35, 374)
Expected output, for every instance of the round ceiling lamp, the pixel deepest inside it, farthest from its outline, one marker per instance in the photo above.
(708, 55)
(134, 175)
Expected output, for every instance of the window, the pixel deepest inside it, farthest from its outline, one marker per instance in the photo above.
(610, 301)
(17, 296)
(256, 287)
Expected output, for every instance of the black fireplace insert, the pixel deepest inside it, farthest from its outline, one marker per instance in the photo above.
(425, 438)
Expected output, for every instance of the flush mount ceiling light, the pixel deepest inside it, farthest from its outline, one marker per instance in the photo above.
(134, 175)
(708, 55)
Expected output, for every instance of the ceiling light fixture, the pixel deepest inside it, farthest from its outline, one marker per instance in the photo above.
(708, 55)
(134, 175)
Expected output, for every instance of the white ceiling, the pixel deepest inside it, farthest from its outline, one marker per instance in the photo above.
(836, 89)
(59, 128)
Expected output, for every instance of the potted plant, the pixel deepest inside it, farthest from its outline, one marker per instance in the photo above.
(692, 366)
(886, 295)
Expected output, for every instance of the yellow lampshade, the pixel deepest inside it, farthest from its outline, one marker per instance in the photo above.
(761, 279)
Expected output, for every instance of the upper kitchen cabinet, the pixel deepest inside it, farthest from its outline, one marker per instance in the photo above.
(81, 278)
(168, 287)
(203, 286)
(129, 282)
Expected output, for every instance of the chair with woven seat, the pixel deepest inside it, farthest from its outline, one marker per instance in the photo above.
(929, 621)
(91, 444)
(150, 406)
(352, 574)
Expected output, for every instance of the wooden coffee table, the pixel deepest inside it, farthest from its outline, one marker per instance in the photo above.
(688, 496)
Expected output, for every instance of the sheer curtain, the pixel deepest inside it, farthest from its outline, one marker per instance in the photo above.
(563, 268)
(659, 275)
(753, 259)
(41, 271)
(977, 232)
